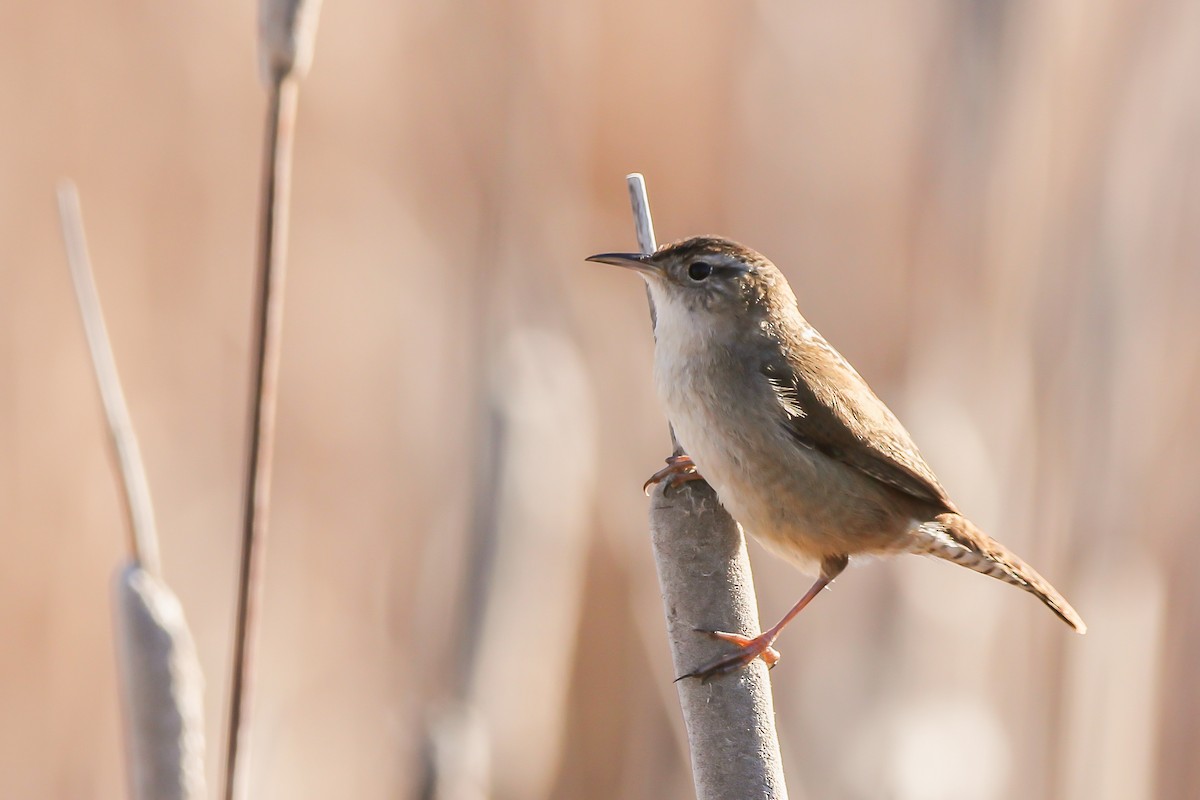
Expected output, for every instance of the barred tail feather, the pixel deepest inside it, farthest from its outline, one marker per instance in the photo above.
(955, 538)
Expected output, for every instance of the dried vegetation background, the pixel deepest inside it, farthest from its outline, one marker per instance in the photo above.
(990, 208)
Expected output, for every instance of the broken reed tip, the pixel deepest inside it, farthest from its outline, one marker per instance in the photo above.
(286, 32)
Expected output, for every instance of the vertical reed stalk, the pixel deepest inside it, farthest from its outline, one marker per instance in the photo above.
(704, 574)
(162, 687)
(286, 32)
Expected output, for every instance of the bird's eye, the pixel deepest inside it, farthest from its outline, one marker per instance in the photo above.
(699, 270)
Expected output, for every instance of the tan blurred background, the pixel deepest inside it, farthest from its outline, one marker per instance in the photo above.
(990, 208)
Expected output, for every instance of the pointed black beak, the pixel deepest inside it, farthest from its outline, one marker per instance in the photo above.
(642, 262)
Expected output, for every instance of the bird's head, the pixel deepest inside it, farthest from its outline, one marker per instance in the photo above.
(708, 276)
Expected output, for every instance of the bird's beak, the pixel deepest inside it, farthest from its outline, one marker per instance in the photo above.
(642, 262)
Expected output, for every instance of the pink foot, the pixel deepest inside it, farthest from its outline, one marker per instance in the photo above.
(749, 649)
(679, 469)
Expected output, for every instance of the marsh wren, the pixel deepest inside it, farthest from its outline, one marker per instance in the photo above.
(798, 448)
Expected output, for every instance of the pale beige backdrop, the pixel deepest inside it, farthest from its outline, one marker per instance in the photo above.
(991, 208)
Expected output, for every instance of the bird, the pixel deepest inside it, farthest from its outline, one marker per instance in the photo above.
(799, 449)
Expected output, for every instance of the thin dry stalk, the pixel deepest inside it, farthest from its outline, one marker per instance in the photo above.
(135, 488)
(162, 685)
(704, 574)
(286, 32)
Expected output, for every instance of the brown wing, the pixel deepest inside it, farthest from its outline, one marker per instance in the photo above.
(841, 417)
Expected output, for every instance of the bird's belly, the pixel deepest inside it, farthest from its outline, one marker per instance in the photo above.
(798, 502)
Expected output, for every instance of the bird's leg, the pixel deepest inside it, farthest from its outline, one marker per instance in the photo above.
(679, 469)
(750, 648)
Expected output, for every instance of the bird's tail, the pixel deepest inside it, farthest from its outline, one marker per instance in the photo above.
(955, 538)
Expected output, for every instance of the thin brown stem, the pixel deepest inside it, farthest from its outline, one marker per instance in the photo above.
(268, 321)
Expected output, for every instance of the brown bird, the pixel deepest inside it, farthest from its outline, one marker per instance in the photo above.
(798, 448)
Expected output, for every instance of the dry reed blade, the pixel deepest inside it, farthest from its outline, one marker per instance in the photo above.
(135, 488)
(161, 682)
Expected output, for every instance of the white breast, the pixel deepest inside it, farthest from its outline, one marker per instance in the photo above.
(726, 418)
(709, 414)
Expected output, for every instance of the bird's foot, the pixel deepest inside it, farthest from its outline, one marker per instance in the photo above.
(679, 469)
(749, 648)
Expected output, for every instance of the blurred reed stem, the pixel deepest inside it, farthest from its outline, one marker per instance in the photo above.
(287, 29)
(162, 685)
(139, 511)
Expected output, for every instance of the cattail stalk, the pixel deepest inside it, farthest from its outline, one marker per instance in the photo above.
(704, 575)
(162, 687)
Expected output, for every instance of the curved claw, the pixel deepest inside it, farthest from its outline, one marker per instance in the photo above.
(749, 649)
(679, 469)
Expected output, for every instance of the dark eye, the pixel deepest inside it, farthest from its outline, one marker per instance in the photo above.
(699, 270)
